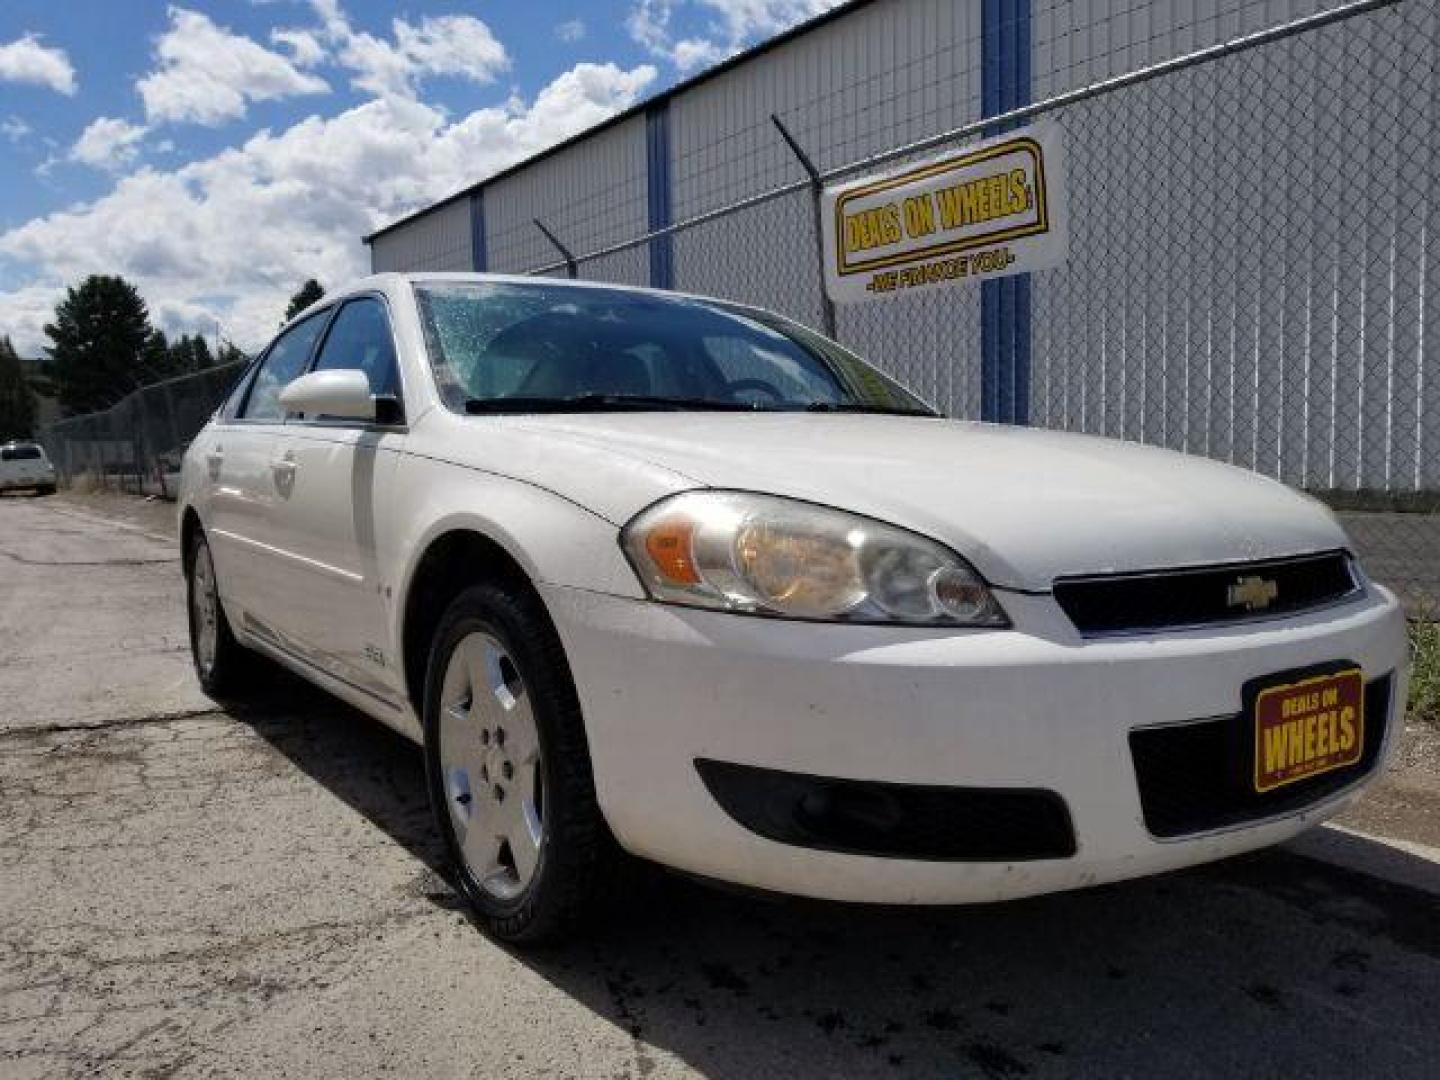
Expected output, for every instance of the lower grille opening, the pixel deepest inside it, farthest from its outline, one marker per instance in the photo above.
(1196, 777)
(898, 821)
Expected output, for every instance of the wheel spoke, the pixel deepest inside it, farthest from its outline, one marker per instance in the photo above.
(494, 675)
(524, 834)
(522, 739)
(460, 742)
(481, 847)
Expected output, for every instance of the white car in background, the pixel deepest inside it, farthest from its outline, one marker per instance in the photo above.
(655, 574)
(24, 467)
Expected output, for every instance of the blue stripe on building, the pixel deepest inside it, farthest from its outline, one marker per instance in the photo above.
(1004, 303)
(658, 196)
(479, 260)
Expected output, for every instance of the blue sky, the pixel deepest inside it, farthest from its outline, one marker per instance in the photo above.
(217, 153)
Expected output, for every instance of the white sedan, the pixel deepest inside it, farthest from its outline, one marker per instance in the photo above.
(663, 576)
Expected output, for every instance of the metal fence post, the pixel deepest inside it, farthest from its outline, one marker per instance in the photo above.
(817, 189)
(572, 268)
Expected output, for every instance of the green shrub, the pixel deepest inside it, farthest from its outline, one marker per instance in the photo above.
(1425, 679)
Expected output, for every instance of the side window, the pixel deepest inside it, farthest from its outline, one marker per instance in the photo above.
(360, 338)
(283, 364)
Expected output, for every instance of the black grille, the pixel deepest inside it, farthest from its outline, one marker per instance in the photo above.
(1199, 596)
(1198, 777)
(898, 821)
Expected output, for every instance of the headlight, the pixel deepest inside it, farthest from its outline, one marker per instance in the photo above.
(765, 555)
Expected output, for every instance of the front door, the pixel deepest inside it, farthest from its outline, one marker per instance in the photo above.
(336, 476)
(245, 489)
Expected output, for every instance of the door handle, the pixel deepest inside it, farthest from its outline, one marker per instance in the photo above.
(283, 472)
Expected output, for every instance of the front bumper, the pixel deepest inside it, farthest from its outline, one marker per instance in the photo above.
(1033, 708)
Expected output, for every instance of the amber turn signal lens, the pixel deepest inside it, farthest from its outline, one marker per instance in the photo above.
(668, 545)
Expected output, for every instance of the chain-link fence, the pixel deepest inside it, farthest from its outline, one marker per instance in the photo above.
(1251, 271)
(137, 443)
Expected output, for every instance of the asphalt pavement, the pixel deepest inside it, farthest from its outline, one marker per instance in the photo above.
(188, 891)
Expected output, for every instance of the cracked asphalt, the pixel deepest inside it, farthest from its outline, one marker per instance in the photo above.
(188, 891)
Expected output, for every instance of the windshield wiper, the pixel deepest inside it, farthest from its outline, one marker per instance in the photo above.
(878, 410)
(603, 403)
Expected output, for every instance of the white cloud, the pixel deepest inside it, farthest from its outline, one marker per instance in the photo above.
(26, 60)
(452, 45)
(571, 30)
(649, 25)
(456, 45)
(232, 236)
(209, 75)
(733, 25)
(687, 54)
(14, 129)
(24, 313)
(305, 49)
(746, 21)
(108, 143)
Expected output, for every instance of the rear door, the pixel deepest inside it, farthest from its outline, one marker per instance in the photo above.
(339, 474)
(245, 487)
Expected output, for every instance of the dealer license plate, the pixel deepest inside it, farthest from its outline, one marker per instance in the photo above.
(1307, 727)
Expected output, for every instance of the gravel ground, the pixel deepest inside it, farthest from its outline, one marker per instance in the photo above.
(189, 891)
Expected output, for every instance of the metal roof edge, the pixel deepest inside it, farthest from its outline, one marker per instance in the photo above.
(638, 109)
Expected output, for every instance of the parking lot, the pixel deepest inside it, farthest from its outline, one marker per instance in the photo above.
(189, 891)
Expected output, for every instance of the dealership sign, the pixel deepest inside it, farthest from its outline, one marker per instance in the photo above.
(996, 208)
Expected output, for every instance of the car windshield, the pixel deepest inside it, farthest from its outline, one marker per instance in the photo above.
(500, 347)
(20, 453)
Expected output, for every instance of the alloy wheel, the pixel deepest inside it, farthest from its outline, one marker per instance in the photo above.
(205, 609)
(490, 766)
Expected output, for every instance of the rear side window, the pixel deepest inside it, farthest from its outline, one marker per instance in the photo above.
(20, 453)
(283, 364)
(360, 338)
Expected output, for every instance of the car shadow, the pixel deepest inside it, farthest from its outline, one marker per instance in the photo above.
(1267, 965)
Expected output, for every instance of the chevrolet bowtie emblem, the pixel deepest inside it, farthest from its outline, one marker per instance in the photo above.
(1252, 593)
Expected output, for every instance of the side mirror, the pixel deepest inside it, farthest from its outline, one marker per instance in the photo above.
(342, 392)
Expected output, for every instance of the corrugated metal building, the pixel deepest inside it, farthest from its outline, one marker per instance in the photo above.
(1250, 236)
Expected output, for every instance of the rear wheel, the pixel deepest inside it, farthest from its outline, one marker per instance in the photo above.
(220, 661)
(509, 768)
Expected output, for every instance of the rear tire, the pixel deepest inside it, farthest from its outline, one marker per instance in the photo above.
(222, 664)
(508, 767)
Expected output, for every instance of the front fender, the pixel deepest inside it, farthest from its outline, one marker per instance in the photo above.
(555, 541)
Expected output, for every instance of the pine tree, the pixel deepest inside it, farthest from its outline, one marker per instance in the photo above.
(99, 333)
(155, 362)
(308, 294)
(200, 356)
(230, 353)
(182, 355)
(17, 403)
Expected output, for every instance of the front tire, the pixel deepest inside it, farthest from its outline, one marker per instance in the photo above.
(221, 662)
(508, 768)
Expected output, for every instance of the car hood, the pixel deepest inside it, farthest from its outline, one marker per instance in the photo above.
(1025, 506)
